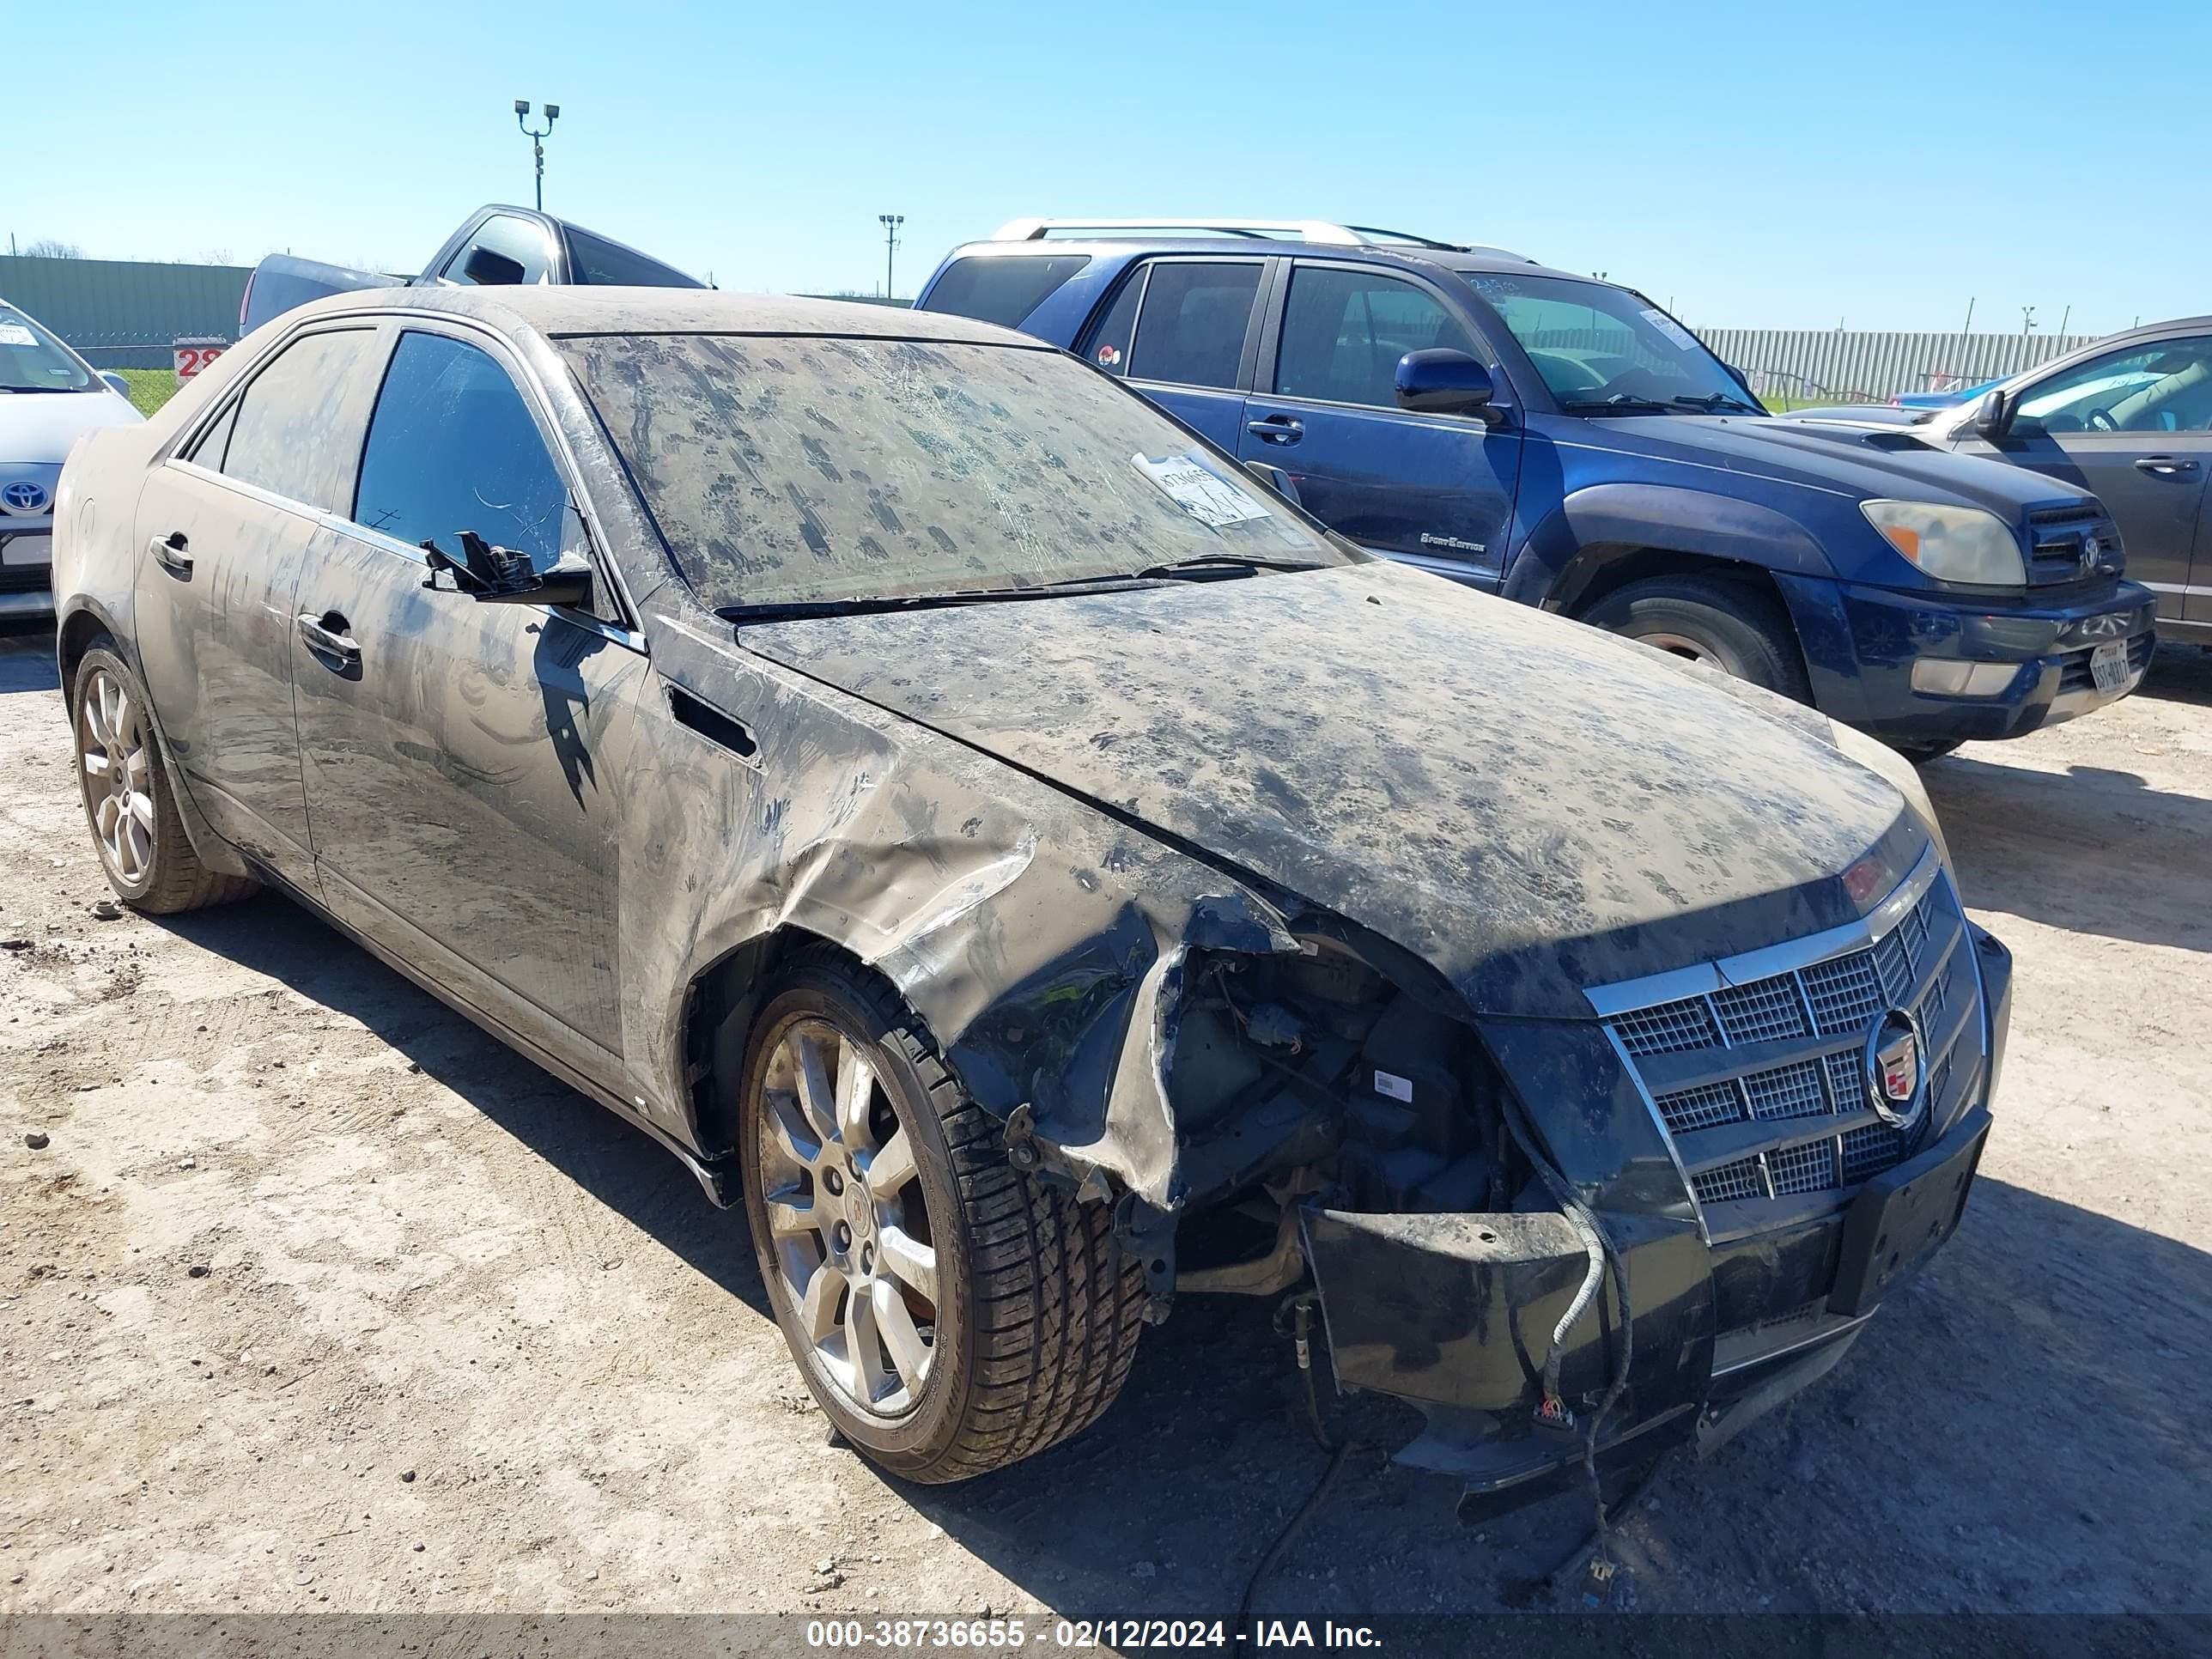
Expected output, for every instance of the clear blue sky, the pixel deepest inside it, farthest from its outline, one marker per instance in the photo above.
(1779, 164)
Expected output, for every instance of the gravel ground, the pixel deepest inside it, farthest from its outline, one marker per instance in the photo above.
(319, 1299)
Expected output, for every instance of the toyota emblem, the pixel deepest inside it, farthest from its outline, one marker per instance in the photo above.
(24, 496)
(1897, 1069)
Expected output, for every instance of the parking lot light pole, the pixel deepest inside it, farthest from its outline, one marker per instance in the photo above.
(890, 223)
(537, 137)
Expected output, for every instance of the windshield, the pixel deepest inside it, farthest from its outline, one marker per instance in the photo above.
(31, 360)
(807, 469)
(1601, 348)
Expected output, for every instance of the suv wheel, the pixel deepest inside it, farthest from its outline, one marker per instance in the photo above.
(952, 1314)
(128, 799)
(1728, 624)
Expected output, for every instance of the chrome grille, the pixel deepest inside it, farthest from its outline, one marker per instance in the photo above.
(1667, 1028)
(1788, 1092)
(1730, 1182)
(1702, 1108)
(1760, 1012)
(1811, 1021)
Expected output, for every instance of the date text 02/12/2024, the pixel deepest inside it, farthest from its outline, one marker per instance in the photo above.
(901, 1634)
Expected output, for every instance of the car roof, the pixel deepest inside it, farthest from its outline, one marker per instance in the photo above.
(1248, 246)
(557, 309)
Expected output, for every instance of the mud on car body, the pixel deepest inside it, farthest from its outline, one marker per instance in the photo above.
(984, 832)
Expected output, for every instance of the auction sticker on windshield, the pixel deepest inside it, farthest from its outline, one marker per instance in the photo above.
(1667, 325)
(15, 334)
(1207, 496)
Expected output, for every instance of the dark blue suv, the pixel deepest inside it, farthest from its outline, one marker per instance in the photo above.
(1565, 442)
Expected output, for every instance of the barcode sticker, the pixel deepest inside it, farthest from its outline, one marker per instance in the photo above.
(1396, 1087)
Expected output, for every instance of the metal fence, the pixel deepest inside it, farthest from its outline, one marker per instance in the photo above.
(1858, 367)
(123, 314)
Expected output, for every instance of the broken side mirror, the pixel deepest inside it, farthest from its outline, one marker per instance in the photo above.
(500, 576)
(1276, 479)
(1993, 418)
(1441, 381)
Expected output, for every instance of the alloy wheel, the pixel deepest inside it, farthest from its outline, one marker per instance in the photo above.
(118, 777)
(853, 1243)
(1682, 645)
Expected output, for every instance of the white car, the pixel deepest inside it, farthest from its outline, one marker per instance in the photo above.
(48, 397)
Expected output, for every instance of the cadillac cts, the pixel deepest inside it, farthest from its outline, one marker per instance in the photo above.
(983, 831)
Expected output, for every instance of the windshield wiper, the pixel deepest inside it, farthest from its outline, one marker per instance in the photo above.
(1715, 402)
(1619, 403)
(1219, 564)
(800, 610)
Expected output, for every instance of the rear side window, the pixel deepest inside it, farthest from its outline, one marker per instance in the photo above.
(595, 259)
(1344, 331)
(286, 435)
(1191, 329)
(520, 250)
(452, 447)
(1003, 289)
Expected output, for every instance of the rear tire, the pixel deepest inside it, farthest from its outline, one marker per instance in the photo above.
(1727, 623)
(1027, 1312)
(130, 801)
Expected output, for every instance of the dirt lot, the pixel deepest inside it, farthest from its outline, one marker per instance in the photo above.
(319, 1299)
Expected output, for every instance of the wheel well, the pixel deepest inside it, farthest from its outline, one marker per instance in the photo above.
(719, 1005)
(79, 631)
(1587, 582)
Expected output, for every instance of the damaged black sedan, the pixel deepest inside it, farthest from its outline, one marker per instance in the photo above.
(984, 832)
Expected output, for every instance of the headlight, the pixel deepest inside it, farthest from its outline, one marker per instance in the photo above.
(1951, 544)
(1900, 773)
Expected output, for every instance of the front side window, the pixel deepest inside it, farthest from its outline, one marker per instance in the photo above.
(595, 259)
(1344, 331)
(452, 446)
(2167, 387)
(808, 469)
(1604, 351)
(289, 434)
(1002, 288)
(33, 359)
(1191, 331)
(519, 249)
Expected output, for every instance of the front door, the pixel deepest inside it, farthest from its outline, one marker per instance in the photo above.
(1176, 329)
(223, 529)
(1435, 490)
(2135, 427)
(460, 756)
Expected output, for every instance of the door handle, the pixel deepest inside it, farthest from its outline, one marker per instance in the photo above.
(172, 552)
(331, 641)
(2166, 466)
(1277, 429)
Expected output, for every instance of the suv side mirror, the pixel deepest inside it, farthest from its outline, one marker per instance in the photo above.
(488, 268)
(1441, 381)
(1993, 416)
(116, 383)
(500, 575)
(1741, 378)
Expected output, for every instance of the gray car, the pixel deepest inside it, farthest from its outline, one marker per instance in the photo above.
(1038, 873)
(2128, 418)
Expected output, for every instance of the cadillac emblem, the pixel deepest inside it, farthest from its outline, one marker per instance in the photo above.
(1897, 1069)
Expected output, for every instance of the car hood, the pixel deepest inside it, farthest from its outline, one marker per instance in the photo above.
(1855, 460)
(1528, 804)
(37, 428)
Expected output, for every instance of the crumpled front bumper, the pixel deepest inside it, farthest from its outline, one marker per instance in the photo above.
(1454, 1314)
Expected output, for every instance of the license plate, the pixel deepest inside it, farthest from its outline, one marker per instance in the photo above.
(1902, 1217)
(27, 549)
(2108, 666)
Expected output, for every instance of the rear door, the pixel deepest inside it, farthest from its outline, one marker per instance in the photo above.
(223, 528)
(1183, 331)
(2133, 426)
(460, 757)
(1435, 490)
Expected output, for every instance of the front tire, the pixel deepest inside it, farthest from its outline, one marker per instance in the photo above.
(130, 800)
(952, 1314)
(1726, 623)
